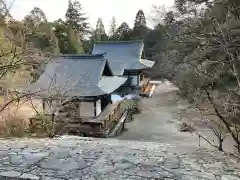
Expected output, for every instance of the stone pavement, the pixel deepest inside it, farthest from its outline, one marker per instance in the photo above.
(76, 158)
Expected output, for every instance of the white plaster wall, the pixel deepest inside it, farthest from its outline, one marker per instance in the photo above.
(86, 109)
(98, 107)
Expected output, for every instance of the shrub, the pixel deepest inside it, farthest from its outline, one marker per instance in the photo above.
(184, 127)
(14, 126)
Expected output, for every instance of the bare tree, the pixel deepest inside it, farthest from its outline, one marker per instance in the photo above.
(19, 58)
(62, 106)
(212, 124)
(206, 64)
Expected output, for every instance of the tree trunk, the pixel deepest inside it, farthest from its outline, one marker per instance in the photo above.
(225, 122)
(52, 131)
(238, 147)
(220, 146)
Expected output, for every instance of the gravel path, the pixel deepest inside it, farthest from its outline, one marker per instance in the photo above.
(159, 120)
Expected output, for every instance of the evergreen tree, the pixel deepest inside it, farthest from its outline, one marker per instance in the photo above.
(76, 27)
(155, 41)
(113, 29)
(69, 41)
(76, 17)
(73, 45)
(60, 30)
(140, 26)
(100, 34)
(169, 18)
(123, 32)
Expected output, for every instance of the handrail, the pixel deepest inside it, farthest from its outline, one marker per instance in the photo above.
(121, 121)
(145, 87)
(107, 114)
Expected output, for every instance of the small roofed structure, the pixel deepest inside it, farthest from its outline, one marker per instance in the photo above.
(125, 60)
(85, 78)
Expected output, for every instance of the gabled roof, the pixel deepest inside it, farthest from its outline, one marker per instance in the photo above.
(123, 55)
(76, 75)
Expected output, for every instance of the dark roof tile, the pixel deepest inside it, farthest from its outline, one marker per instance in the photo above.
(75, 75)
(123, 55)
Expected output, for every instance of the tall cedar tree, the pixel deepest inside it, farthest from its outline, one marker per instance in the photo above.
(74, 45)
(154, 41)
(113, 29)
(123, 32)
(76, 17)
(100, 33)
(77, 27)
(61, 33)
(140, 26)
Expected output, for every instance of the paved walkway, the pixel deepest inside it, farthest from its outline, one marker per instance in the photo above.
(159, 120)
(73, 158)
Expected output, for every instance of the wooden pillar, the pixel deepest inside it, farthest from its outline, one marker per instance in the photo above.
(138, 79)
(95, 107)
(79, 109)
(141, 76)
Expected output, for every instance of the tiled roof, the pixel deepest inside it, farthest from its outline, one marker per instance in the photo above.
(123, 55)
(75, 75)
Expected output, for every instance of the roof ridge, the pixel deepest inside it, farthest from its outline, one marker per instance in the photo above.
(82, 56)
(118, 42)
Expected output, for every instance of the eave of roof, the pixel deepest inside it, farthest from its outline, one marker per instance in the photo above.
(76, 75)
(147, 63)
(109, 84)
(123, 55)
(119, 42)
(82, 56)
(106, 85)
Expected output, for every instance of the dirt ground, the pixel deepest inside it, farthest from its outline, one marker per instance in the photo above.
(161, 118)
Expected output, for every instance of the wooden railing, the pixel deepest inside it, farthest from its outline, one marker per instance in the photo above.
(145, 85)
(115, 114)
(120, 125)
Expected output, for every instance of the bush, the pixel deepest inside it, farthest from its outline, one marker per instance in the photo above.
(41, 125)
(184, 127)
(14, 127)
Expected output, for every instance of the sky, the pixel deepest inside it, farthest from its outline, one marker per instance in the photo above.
(123, 10)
